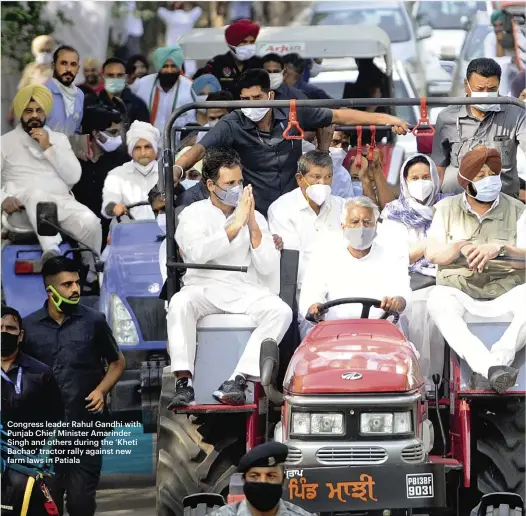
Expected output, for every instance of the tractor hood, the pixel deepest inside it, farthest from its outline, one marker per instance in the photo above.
(353, 357)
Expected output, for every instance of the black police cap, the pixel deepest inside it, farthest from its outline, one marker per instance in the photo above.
(263, 456)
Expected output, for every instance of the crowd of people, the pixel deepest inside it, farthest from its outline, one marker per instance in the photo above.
(243, 193)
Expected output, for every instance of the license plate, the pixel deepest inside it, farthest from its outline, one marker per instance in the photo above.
(419, 485)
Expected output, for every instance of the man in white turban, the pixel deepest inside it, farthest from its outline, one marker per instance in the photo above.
(131, 182)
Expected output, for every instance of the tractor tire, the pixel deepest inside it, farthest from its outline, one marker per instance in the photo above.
(500, 464)
(195, 454)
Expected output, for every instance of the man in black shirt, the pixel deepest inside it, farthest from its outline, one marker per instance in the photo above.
(29, 395)
(241, 38)
(114, 73)
(270, 161)
(75, 341)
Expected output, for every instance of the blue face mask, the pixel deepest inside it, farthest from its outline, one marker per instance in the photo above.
(188, 183)
(357, 188)
(114, 85)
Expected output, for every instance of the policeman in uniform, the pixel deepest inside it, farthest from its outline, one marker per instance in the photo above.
(263, 476)
(240, 38)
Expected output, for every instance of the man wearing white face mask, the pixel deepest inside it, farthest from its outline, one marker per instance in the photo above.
(131, 182)
(306, 215)
(241, 39)
(461, 128)
(469, 231)
(354, 263)
(224, 229)
(273, 64)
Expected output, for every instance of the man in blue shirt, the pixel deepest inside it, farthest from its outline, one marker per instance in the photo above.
(68, 100)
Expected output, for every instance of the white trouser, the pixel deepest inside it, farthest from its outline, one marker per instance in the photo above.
(270, 313)
(425, 335)
(448, 306)
(73, 216)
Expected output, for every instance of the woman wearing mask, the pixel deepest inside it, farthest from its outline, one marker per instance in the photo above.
(408, 219)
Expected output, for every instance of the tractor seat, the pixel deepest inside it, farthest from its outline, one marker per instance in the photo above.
(17, 228)
(226, 322)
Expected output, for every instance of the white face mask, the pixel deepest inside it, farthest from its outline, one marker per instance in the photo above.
(420, 189)
(276, 80)
(357, 188)
(161, 222)
(484, 95)
(337, 155)
(144, 169)
(255, 114)
(188, 183)
(201, 98)
(44, 58)
(245, 52)
(212, 123)
(359, 238)
(316, 69)
(488, 189)
(318, 193)
(111, 144)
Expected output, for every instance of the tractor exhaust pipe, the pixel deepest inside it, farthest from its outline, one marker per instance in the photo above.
(436, 381)
(268, 367)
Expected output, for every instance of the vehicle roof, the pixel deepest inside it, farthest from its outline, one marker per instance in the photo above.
(362, 41)
(351, 6)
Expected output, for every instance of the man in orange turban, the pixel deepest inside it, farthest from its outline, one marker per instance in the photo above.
(474, 238)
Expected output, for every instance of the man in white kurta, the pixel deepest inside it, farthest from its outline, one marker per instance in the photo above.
(167, 89)
(303, 217)
(38, 165)
(226, 230)
(130, 183)
(355, 263)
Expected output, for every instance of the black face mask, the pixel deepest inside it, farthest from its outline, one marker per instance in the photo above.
(263, 496)
(167, 80)
(9, 344)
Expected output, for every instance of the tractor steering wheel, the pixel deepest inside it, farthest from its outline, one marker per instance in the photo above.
(366, 308)
(130, 206)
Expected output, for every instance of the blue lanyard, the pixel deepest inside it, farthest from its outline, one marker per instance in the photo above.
(18, 384)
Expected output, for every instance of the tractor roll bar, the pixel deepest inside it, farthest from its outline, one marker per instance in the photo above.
(199, 128)
(169, 150)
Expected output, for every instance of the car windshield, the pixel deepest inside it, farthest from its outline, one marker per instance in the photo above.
(474, 45)
(447, 15)
(391, 20)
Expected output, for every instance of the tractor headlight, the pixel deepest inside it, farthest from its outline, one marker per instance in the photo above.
(320, 423)
(122, 323)
(375, 423)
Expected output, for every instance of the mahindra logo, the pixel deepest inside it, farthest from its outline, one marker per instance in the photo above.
(352, 376)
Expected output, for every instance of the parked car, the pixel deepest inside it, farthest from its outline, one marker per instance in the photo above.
(472, 48)
(406, 37)
(450, 22)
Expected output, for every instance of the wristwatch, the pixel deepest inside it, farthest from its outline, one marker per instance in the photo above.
(502, 251)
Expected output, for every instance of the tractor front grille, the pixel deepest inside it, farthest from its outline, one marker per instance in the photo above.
(295, 456)
(413, 453)
(151, 316)
(352, 455)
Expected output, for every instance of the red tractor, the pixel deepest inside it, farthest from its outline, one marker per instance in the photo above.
(364, 435)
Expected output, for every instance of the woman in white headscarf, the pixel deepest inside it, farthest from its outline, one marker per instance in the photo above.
(131, 182)
(407, 219)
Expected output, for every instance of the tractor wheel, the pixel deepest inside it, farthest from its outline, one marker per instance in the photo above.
(501, 449)
(194, 454)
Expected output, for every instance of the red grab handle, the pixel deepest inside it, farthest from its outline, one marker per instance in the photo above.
(293, 123)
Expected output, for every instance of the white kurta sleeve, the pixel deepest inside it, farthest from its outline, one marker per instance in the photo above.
(314, 287)
(63, 159)
(266, 257)
(490, 45)
(399, 281)
(112, 191)
(437, 232)
(281, 224)
(199, 242)
(195, 14)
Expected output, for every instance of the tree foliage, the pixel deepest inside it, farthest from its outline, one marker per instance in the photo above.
(21, 23)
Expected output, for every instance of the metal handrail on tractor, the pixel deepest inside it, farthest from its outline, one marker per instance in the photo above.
(169, 153)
